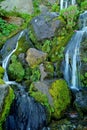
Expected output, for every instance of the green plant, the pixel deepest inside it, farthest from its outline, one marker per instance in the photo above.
(55, 7)
(15, 69)
(6, 28)
(84, 5)
(35, 74)
(70, 14)
(46, 46)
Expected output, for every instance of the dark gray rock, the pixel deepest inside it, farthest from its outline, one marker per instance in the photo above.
(81, 101)
(26, 114)
(45, 25)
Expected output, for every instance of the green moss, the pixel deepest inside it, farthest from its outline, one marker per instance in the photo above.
(1, 72)
(23, 46)
(41, 98)
(61, 97)
(84, 5)
(57, 46)
(7, 103)
(2, 81)
(15, 69)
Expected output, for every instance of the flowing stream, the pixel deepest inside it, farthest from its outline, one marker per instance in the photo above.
(72, 57)
(66, 3)
(25, 113)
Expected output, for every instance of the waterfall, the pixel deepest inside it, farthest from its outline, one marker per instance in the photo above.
(66, 3)
(72, 57)
(61, 4)
(6, 60)
(73, 2)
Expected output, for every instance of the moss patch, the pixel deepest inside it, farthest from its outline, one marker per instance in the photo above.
(7, 103)
(61, 97)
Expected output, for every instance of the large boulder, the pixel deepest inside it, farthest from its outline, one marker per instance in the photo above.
(35, 57)
(44, 26)
(54, 95)
(22, 7)
(6, 98)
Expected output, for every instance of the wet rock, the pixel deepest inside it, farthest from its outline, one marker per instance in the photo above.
(35, 57)
(26, 114)
(45, 26)
(81, 101)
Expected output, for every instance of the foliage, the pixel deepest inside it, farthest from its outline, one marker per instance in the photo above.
(84, 5)
(5, 28)
(35, 74)
(61, 97)
(6, 107)
(55, 7)
(15, 69)
(70, 14)
(46, 46)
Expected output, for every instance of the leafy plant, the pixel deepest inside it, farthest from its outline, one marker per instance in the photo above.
(84, 5)
(6, 28)
(55, 7)
(16, 71)
(70, 14)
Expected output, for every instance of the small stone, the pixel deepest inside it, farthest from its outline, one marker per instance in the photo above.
(35, 57)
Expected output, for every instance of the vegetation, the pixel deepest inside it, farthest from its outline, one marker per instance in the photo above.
(70, 14)
(61, 97)
(84, 5)
(15, 69)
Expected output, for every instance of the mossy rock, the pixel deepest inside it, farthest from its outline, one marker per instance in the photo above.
(41, 98)
(54, 95)
(61, 97)
(23, 45)
(1, 72)
(7, 101)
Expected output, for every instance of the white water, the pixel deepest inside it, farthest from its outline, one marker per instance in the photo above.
(66, 73)
(73, 2)
(6, 60)
(66, 3)
(72, 58)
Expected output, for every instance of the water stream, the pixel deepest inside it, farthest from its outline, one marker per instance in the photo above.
(72, 57)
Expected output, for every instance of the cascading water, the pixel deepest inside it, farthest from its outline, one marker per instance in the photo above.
(6, 60)
(26, 113)
(72, 58)
(66, 3)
